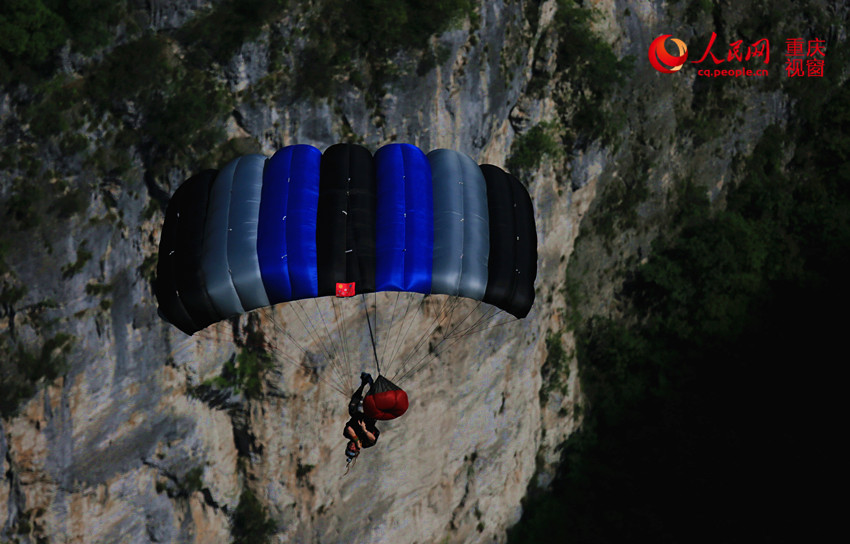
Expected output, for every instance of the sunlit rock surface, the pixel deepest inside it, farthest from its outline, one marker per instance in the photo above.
(131, 444)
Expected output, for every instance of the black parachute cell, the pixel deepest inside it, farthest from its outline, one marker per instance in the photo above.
(176, 287)
(190, 280)
(512, 263)
(526, 257)
(345, 230)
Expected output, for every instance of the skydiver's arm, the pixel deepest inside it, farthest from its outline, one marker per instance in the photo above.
(349, 432)
(369, 435)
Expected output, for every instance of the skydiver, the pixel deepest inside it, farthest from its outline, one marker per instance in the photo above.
(360, 430)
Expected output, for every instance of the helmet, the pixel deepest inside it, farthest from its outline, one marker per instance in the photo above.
(351, 453)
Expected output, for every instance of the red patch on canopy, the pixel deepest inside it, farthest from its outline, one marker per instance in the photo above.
(385, 405)
(345, 289)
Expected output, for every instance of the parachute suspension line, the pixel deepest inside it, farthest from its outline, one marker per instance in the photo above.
(405, 333)
(317, 340)
(288, 359)
(311, 330)
(451, 330)
(220, 333)
(377, 335)
(469, 331)
(402, 333)
(327, 330)
(333, 385)
(377, 322)
(441, 317)
(280, 329)
(330, 338)
(404, 370)
(438, 319)
(336, 384)
(458, 337)
(446, 310)
(424, 359)
(390, 331)
(341, 324)
(337, 360)
(486, 316)
(371, 336)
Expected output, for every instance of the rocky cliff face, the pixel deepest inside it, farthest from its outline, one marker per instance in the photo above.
(132, 444)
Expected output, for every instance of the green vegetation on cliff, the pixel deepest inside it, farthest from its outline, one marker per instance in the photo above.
(251, 522)
(356, 40)
(160, 94)
(32, 30)
(704, 393)
(22, 369)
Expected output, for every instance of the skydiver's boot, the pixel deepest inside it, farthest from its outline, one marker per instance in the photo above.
(366, 378)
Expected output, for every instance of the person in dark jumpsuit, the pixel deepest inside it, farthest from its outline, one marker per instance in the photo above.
(360, 430)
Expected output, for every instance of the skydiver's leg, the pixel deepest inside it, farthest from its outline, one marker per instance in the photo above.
(355, 405)
(365, 378)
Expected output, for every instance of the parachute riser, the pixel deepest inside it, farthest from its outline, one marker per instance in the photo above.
(371, 334)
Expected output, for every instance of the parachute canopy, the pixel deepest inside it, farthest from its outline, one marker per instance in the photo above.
(303, 224)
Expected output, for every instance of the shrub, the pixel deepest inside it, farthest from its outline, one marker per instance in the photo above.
(245, 370)
(251, 524)
(529, 149)
(217, 35)
(83, 256)
(21, 369)
(29, 30)
(192, 481)
(360, 37)
(32, 30)
(555, 369)
(593, 71)
(24, 204)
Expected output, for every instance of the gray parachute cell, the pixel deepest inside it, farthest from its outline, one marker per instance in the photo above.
(461, 225)
(242, 236)
(214, 264)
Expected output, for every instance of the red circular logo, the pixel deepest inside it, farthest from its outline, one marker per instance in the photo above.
(658, 55)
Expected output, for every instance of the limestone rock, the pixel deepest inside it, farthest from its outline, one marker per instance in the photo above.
(137, 443)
